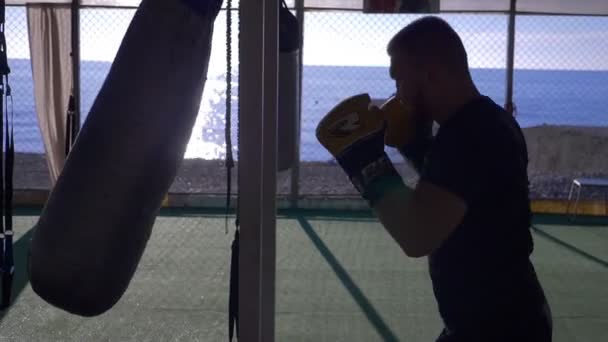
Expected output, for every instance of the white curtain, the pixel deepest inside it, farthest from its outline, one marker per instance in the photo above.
(49, 31)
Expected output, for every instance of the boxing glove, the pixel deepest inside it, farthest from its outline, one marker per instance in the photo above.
(400, 128)
(353, 132)
(407, 131)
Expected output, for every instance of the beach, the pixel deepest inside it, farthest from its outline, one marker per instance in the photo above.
(557, 155)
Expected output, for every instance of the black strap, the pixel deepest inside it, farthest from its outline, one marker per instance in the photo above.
(70, 125)
(7, 281)
(233, 300)
(7, 266)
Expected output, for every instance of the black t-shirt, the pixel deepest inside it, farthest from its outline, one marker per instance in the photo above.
(481, 273)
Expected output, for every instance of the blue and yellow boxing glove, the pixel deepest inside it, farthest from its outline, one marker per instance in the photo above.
(354, 133)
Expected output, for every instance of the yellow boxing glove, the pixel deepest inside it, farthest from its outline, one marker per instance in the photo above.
(349, 121)
(411, 134)
(354, 134)
(400, 123)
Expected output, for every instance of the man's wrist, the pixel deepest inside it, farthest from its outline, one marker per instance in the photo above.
(377, 179)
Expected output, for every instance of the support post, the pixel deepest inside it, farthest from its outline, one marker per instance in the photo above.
(258, 106)
(295, 171)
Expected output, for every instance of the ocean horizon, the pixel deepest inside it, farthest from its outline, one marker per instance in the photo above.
(542, 97)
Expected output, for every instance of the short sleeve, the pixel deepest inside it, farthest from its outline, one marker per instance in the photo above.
(459, 164)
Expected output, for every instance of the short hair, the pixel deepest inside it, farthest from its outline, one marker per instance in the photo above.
(431, 39)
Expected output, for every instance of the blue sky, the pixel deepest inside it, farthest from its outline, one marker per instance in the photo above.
(353, 38)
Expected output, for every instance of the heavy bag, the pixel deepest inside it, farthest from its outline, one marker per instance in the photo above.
(401, 6)
(96, 223)
(287, 119)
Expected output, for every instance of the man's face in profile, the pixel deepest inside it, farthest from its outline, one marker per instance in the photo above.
(409, 82)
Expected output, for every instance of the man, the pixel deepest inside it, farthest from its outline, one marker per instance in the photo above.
(470, 211)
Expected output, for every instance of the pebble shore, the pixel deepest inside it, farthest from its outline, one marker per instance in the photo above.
(319, 179)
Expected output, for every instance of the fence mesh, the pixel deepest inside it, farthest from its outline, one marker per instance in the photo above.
(181, 285)
(30, 166)
(560, 77)
(101, 31)
(345, 54)
(561, 74)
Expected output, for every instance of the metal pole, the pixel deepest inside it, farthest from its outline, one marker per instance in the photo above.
(269, 167)
(257, 167)
(75, 25)
(295, 171)
(509, 105)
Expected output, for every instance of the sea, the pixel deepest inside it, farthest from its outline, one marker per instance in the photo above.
(542, 97)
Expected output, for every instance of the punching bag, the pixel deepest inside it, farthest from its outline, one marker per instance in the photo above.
(96, 223)
(401, 6)
(287, 116)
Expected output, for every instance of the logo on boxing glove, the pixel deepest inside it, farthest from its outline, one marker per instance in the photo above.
(345, 126)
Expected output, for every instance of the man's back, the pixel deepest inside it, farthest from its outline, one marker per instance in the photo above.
(483, 279)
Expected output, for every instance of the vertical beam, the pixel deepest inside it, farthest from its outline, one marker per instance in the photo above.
(257, 167)
(509, 106)
(295, 171)
(251, 75)
(269, 166)
(75, 24)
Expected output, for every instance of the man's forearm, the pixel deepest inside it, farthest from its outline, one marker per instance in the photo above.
(396, 213)
(420, 219)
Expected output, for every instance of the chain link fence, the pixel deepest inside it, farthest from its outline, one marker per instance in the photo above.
(30, 166)
(559, 79)
(101, 32)
(561, 73)
(345, 54)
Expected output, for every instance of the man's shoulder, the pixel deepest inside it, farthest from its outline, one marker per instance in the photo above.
(482, 121)
(475, 134)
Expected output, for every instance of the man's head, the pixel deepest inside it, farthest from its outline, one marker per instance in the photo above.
(430, 67)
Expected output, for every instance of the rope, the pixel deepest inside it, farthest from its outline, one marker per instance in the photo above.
(228, 128)
(233, 299)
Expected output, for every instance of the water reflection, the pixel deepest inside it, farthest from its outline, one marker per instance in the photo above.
(208, 139)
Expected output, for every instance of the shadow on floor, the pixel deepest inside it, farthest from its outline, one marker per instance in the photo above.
(372, 315)
(21, 279)
(570, 247)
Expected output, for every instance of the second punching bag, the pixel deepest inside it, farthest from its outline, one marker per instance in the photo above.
(289, 70)
(96, 223)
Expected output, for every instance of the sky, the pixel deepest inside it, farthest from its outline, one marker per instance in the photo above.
(357, 39)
